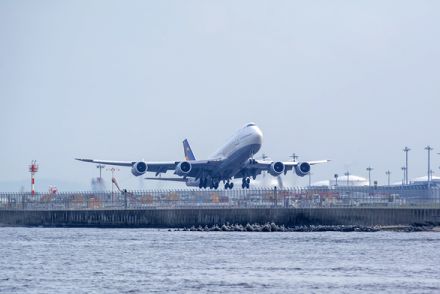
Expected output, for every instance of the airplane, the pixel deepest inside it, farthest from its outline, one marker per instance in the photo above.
(234, 160)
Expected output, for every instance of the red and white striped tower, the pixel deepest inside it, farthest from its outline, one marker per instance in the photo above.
(33, 169)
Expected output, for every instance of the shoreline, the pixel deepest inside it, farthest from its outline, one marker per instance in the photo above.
(272, 227)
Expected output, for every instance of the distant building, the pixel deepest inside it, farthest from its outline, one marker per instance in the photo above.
(420, 181)
(343, 181)
(424, 180)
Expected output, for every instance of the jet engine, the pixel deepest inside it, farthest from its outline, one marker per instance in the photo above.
(276, 168)
(302, 169)
(139, 168)
(183, 168)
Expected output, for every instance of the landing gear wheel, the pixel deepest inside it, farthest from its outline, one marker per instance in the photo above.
(231, 185)
(245, 183)
(204, 183)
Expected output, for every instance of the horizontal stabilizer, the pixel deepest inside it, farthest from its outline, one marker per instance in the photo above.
(167, 179)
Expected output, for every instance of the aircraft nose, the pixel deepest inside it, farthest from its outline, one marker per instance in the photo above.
(258, 135)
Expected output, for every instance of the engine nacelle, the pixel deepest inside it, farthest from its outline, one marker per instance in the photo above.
(302, 169)
(276, 168)
(183, 168)
(139, 168)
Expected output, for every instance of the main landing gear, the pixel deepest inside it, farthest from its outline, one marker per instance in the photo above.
(214, 184)
(203, 183)
(229, 185)
(211, 184)
(245, 183)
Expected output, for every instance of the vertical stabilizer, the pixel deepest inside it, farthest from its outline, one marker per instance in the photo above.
(189, 155)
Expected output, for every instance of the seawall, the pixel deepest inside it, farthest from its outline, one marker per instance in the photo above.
(178, 218)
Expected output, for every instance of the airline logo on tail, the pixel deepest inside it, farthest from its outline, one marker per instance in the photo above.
(189, 155)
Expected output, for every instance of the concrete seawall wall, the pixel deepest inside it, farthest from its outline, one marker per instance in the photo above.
(165, 218)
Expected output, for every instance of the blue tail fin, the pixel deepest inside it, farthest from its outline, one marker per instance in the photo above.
(189, 155)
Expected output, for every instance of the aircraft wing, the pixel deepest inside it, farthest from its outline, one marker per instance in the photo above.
(107, 162)
(255, 167)
(289, 165)
(152, 166)
(313, 162)
(198, 166)
(264, 164)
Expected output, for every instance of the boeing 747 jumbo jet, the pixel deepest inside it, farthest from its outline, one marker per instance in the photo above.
(234, 160)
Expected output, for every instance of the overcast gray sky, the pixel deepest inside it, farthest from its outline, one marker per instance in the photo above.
(353, 81)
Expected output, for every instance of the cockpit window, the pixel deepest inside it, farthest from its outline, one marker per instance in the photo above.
(250, 125)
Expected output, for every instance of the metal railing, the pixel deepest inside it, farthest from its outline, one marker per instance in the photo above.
(299, 197)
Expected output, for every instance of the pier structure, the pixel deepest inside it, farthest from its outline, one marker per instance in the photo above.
(339, 205)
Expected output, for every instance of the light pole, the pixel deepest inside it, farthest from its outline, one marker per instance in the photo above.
(347, 174)
(113, 170)
(369, 169)
(388, 173)
(336, 179)
(294, 157)
(429, 149)
(100, 166)
(310, 179)
(404, 174)
(406, 150)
